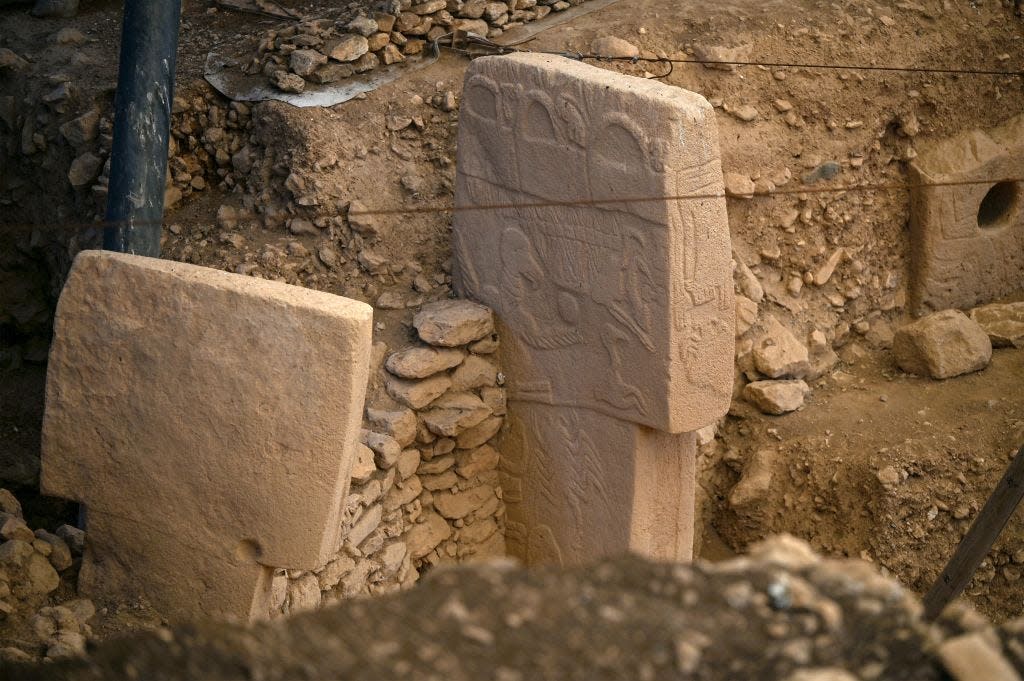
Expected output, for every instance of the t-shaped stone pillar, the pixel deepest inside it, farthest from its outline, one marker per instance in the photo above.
(207, 421)
(616, 302)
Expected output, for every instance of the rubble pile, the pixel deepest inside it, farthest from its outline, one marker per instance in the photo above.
(802, 618)
(326, 51)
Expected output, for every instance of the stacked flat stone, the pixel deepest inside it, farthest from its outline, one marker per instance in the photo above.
(326, 51)
(425, 487)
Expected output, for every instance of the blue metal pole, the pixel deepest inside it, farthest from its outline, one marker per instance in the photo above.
(142, 123)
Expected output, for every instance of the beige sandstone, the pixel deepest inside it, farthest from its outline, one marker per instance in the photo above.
(967, 239)
(207, 421)
(942, 345)
(616, 319)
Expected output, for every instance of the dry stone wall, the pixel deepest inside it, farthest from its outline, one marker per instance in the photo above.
(425, 488)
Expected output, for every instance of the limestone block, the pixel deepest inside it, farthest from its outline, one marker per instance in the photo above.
(1003, 322)
(626, 308)
(207, 421)
(616, 315)
(942, 345)
(776, 397)
(967, 240)
(569, 500)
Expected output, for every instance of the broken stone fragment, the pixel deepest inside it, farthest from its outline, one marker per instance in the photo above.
(827, 268)
(423, 362)
(746, 314)
(426, 535)
(710, 54)
(417, 394)
(615, 48)
(460, 504)
(1003, 322)
(777, 352)
(739, 186)
(363, 466)
(288, 82)
(385, 448)
(942, 345)
(451, 323)
(399, 424)
(776, 397)
(472, 462)
(347, 48)
(475, 372)
(9, 503)
(364, 26)
(84, 170)
(60, 552)
(305, 62)
(83, 129)
(756, 481)
(453, 413)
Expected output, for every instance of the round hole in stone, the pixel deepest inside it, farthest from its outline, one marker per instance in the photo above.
(998, 205)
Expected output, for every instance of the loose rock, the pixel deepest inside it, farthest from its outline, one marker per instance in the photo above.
(942, 345)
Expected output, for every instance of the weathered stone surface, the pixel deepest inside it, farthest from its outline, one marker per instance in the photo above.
(364, 26)
(475, 372)
(347, 48)
(84, 170)
(597, 301)
(484, 618)
(288, 82)
(610, 46)
(367, 523)
(417, 394)
(756, 480)
(408, 462)
(942, 345)
(642, 502)
(450, 323)
(305, 62)
(612, 317)
(453, 413)
(778, 353)
(460, 504)
(83, 129)
(423, 362)
(60, 553)
(480, 433)
(207, 421)
(776, 397)
(426, 535)
(1003, 322)
(363, 466)
(473, 462)
(386, 449)
(399, 424)
(967, 239)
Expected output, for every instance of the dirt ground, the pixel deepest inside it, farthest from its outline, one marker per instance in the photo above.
(878, 464)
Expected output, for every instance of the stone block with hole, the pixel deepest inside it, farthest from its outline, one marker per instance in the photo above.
(207, 422)
(967, 229)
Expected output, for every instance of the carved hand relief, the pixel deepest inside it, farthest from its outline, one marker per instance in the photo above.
(608, 302)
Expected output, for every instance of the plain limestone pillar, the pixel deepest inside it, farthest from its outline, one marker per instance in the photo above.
(207, 421)
(615, 305)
